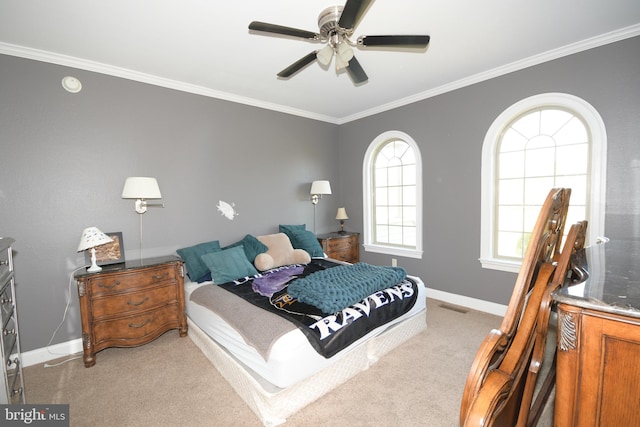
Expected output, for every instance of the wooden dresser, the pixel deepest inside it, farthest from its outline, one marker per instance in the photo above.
(130, 304)
(598, 371)
(341, 246)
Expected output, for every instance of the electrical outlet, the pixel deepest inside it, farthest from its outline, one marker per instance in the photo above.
(394, 262)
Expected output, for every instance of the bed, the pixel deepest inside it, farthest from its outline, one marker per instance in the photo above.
(269, 357)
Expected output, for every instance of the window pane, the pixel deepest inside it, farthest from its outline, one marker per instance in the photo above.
(409, 236)
(572, 159)
(578, 186)
(510, 245)
(395, 196)
(574, 132)
(511, 192)
(395, 216)
(380, 177)
(382, 215)
(382, 234)
(512, 141)
(409, 174)
(409, 195)
(395, 175)
(381, 196)
(395, 235)
(529, 125)
(540, 162)
(511, 165)
(510, 218)
(551, 121)
(409, 216)
(537, 190)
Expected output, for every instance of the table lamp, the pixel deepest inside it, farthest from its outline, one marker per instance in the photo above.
(92, 237)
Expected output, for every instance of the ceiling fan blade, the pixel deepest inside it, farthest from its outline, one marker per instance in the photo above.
(356, 71)
(279, 29)
(298, 65)
(400, 41)
(352, 12)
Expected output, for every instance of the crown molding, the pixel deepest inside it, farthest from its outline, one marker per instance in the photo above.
(83, 64)
(577, 47)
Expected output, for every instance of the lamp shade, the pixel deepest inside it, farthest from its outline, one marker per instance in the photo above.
(320, 187)
(141, 187)
(342, 214)
(92, 237)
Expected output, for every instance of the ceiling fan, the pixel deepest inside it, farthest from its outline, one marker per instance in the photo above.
(337, 24)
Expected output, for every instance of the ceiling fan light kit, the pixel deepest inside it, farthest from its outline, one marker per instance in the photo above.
(336, 26)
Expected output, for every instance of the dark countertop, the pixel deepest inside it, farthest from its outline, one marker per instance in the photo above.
(612, 282)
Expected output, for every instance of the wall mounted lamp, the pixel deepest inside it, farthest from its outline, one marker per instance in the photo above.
(142, 188)
(92, 237)
(318, 188)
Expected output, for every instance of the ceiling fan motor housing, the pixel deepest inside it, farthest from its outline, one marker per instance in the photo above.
(328, 22)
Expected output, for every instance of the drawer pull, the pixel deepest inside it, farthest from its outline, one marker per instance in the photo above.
(4, 262)
(161, 276)
(140, 325)
(102, 285)
(6, 300)
(6, 332)
(138, 303)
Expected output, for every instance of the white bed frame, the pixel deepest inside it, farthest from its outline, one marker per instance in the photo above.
(274, 405)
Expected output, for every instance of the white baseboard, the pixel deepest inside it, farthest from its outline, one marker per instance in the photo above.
(43, 355)
(472, 303)
(56, 351)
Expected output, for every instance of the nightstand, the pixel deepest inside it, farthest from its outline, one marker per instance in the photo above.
(130, 304)
(341, 246)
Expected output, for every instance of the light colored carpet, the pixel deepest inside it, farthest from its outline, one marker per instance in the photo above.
(169, 382)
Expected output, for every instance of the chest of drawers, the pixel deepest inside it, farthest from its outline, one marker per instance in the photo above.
(341, 246)
(130, 304)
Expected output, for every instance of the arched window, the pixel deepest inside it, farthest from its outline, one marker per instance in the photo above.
(545, 141)
(392, 188)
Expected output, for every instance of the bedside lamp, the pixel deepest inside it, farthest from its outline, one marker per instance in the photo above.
(341, 216)
(142, 188)
(92, 237)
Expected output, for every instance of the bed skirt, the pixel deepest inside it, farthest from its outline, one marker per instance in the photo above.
(273, 406)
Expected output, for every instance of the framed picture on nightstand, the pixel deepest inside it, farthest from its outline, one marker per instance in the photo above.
(109, 253)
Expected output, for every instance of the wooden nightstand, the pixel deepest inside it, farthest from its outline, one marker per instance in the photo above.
(341, 246)
(130, 304)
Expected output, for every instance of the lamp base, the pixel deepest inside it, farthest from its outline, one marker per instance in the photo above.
(94, 267)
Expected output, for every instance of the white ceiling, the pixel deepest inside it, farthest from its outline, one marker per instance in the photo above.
(205, 47)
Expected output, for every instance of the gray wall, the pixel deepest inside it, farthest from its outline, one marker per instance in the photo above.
(450, 130)
(64, 159)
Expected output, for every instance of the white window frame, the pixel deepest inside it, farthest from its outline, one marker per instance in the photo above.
(597, 169)
(367, 192)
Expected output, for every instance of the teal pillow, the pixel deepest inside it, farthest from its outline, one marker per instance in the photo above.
(252, 247)
(304, 239)
(196, 269)
(228, 264)
(289, 229)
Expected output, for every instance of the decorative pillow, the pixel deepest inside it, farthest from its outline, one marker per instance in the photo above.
(196, 269)
(280, 253)
(305, 239)
(289, 229)
(228, 264)
(252, 247)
